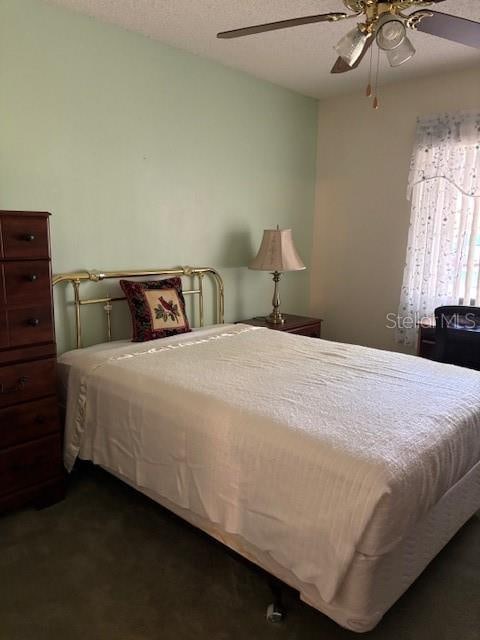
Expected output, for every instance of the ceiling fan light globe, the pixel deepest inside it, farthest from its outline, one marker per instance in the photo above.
(401, 54)
(351, 46)
(391, 34)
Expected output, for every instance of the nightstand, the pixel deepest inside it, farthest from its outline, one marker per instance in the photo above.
(300, 325)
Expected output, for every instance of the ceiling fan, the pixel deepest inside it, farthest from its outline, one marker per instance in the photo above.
(383, 21)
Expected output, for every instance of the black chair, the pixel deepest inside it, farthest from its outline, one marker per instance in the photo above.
(457, 336)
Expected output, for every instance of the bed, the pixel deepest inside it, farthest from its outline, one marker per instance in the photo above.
(339, 469)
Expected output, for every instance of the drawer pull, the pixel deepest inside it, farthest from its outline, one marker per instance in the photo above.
(33, 322)
(16, 387)
(29, 237)
(32, 277)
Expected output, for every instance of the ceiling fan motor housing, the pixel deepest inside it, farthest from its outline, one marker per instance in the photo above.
(354, 5)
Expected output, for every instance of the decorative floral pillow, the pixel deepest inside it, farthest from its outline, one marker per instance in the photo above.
(157, 308)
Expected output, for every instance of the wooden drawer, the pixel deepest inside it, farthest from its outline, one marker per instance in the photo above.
(311, 332)
(23, 354)
(27, 381)
(25, 237)
(3, 329)
(30, 464)
(27, 282)
(41, 495)
(29, 421)
(30, 325)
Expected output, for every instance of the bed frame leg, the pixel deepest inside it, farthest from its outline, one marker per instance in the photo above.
(275, 610)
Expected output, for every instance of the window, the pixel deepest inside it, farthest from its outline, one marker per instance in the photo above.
(443, 255)
(470, 280)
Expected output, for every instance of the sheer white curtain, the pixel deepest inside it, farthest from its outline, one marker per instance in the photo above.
(444, 237)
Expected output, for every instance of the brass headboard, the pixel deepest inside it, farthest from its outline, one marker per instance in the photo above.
(196, 274)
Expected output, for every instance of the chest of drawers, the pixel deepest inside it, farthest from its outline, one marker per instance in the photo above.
(31, 469)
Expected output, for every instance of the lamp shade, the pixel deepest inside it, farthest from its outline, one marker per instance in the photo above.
(351, 46)
(392, 38)
(277, 252)
(403, 53)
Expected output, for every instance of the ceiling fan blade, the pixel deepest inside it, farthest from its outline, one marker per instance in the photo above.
(341, 66)
(446, 26)
(282, 24)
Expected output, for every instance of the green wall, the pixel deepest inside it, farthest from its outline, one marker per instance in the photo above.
(149, 156)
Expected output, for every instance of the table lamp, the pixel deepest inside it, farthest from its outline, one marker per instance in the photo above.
(277, 254)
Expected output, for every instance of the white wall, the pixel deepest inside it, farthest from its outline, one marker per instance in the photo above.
(362, 214)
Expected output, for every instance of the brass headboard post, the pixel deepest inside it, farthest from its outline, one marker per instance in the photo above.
(194, 273)
(78, 322)
(200, 298)
(108, 311)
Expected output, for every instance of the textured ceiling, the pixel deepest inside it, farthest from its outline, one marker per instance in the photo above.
(298, 58)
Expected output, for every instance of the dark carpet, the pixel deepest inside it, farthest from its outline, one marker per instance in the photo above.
(109, 564)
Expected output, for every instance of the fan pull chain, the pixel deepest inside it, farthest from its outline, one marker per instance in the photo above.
(376, 102)
(368, 92)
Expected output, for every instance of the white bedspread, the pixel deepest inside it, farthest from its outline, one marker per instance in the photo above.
(309, 450)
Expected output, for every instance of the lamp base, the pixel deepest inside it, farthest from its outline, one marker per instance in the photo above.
(275, 318)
